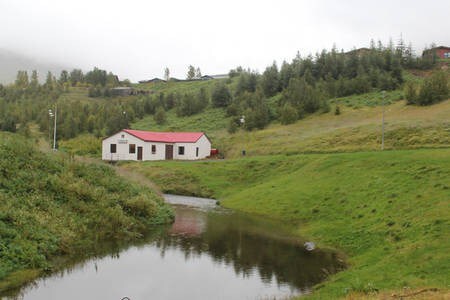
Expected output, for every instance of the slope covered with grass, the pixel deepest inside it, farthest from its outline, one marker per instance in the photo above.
(52, 207)
(355, 129)
(387, 211)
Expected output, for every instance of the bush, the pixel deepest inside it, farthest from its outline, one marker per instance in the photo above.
(434, 89)
(287, 114)
(221, 95)
(160, 116)
(337, 110)
(410, 92)
(232, 126)
(140, 206)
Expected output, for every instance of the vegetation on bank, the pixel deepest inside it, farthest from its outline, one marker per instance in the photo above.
(53, 207)
(388, 211)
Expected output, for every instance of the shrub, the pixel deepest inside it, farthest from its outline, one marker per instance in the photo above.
(232, 126)
(434, 89)
(337, 110)
(287, 114)
(140, 206)
(221, 95)
(160, 116)
(410, 92)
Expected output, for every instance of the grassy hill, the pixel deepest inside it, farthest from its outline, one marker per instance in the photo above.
(49, 206)
(387, 211)
(407, 127)
(178, 87)
(357, 128)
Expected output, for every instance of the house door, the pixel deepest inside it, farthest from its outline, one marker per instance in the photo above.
(169, 151)
(139, 153)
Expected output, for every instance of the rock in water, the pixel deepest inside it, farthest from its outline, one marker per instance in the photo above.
(310, 246)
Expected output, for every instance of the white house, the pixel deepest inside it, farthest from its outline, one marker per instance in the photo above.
(146, 145)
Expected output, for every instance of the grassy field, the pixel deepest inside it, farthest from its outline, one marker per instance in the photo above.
(210, 121)
(180, 87)
(388, 211)
(407, 127)
(49, 206)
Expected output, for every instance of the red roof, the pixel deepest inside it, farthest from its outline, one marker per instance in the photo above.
(166, 137)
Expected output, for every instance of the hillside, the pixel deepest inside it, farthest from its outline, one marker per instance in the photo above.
(356, 128)
(12, 62)
(388, 212)
(50, 204)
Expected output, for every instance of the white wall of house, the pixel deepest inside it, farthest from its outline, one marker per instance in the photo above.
(190, 149)
(123, 140)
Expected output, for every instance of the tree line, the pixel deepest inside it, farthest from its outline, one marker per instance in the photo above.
(251, 100)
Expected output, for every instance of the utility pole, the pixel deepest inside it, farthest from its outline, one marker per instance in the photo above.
(50, 115)
(54, 131)
(383, 95)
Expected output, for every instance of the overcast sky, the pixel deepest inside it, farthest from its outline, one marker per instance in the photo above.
(137, 39)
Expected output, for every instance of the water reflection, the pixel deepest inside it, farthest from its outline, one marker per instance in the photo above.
(206, 253)
(247, 244)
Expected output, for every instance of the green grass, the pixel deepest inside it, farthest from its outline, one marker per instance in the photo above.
(84, 144)
(179, 87)
(407, 127)
(388, 211)
(52, 207)
(369, 99)
(210, 121)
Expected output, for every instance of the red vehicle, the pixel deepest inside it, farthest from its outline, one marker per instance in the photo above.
(214, 152)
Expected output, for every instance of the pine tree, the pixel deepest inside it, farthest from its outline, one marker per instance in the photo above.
(160, 116)
(190, 73)
(22, 79)
(64, 76)
(270, 81)
(221, 95)
(198, 73)
(34, 83)
(166, 74)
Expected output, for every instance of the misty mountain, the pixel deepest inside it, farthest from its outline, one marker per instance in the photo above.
(11, 62)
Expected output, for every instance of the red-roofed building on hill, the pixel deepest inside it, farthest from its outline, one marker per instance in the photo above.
(131, 144)
(440, 52)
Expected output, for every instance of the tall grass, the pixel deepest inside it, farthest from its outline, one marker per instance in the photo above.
(51, 206)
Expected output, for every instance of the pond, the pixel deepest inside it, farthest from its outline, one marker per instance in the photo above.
(207, 253)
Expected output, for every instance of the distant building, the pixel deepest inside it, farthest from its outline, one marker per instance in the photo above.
(146, 145)
(211, 77)
(359, 51)
(206, 77)
(441, 52)
(220, 76)
(156, 79)
(122, 91)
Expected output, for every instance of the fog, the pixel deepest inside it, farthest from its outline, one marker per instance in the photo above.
(137, 39)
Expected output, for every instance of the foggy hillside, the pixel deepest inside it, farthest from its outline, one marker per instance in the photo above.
(11, 62)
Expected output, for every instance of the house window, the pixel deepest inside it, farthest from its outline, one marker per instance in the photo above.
(123, 136)
(181, 150)
(132, 148)
(196, 151)
(153, 149)
(113, 148)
